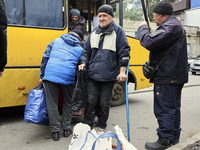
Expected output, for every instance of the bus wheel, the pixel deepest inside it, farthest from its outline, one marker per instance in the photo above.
(118, 94)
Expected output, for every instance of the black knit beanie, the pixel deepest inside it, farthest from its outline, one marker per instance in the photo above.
(107, 9)
(78, 33)
(164, 7)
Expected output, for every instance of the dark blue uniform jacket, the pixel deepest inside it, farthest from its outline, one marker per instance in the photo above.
(174, 68)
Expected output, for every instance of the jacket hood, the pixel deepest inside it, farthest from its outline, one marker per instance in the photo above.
(70, 39)
(81, 20)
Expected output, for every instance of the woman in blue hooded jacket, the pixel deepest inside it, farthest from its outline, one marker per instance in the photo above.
(58, 70)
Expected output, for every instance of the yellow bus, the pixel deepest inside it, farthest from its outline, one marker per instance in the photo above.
(33, 24)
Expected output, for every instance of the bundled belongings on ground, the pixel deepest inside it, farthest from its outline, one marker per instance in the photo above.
(84, 138)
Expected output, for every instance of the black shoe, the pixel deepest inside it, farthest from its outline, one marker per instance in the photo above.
(67, 133)
(161, 144)
(56, 136)
(174, 142)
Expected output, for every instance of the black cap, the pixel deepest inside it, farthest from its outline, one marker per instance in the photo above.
(107, 9)
(164, 7)
(78, 33)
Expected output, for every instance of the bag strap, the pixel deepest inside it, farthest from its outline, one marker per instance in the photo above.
(79, 75)
(39, 85)
(89, 132)
(170, 49)
(108, 134)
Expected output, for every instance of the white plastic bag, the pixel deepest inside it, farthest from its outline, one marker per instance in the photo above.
(84, 139)
(80, 133)
(126, 144)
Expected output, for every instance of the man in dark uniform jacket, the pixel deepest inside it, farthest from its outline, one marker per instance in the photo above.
(3, 37)
(171, 75)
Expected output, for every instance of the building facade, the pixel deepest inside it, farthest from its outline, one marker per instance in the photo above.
(188, 12)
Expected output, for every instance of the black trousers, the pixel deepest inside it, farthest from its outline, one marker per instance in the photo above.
(98, 93)
(167, 105)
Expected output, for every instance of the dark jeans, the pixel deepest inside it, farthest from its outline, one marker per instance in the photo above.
(98, 91)
(167, 104)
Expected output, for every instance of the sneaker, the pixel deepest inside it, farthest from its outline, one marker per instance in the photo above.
(66, 133)
(100, 131)
(161, 144)
(55, 136)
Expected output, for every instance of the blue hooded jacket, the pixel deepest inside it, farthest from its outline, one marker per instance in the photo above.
(60, 60)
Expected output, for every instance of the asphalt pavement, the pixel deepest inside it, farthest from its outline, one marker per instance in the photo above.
(189, 140)
(16, 134)
(189, 144)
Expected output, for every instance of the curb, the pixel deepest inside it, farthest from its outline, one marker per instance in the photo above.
(184, 144)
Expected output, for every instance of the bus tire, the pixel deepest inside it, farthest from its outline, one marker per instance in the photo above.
(118, 94)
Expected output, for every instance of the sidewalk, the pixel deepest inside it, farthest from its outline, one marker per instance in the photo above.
(189, 144)
(192, 143)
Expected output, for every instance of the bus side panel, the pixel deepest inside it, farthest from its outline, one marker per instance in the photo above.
(26, 45)
(25, 49)
(139, 55)
(10, 95)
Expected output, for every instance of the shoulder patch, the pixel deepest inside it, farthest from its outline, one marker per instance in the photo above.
(156, 32)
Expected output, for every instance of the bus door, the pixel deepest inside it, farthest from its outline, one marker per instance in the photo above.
(129, 14)
(88, 9)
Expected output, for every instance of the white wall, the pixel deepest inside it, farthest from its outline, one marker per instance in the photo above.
(192, 17)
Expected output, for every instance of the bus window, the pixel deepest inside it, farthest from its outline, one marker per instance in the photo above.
(132, 16)
(14, 11)
(28, 13)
